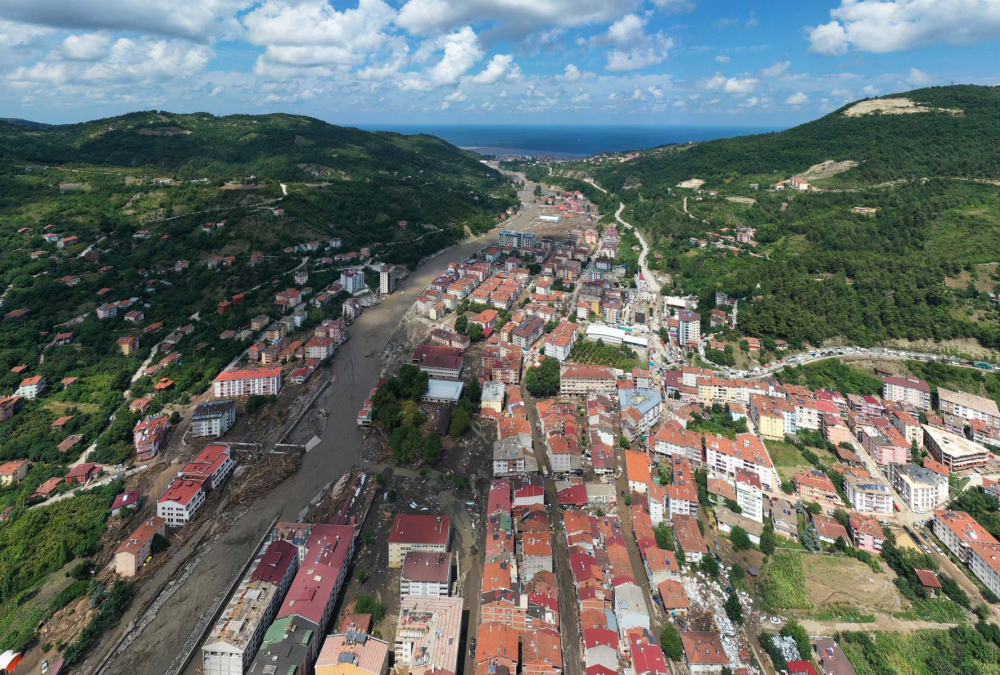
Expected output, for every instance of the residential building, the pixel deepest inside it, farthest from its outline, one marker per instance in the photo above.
(578, 380)
(83, 473)
(957, 530)
(688, 327)
(353, 280)
(867, 494)
(31, 387)
(213, 418)
(968, 406)
(630, 607)
(132, 553)
(955, 452)
(128, 345)
(320, 347)
(704, 652)
(126, 501)
(675, 440)
(984, 561)
(640, 411)
(13, 472)
(828, 528)
(426, 573)
(907, 390)
(529, 330)
(728, 519)
(746, 453)
(353, 653)
(784, 518)
(148, 436)
(689, 537)
(316, 587)
(421, 533)
(235, 638)
(181, 500)
(886, 450)
(867, 533)
(749, 495)
(427, 635)
(815, 486)
(920, 488)
(290, 645)
(262, 381)
(210, 467)
(387, 279)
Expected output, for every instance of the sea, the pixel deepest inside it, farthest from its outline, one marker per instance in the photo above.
(565, 141)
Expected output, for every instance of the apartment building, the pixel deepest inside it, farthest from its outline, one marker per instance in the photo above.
(968, 406)
(671, 440)
(421, 533)
(907, 390)
(262, 381)
(867, 495)
(920, 488)
(746, 453)
(749, 495)
(133, 552)
(426, 574)
(579, 380)
(958, 531)
(955, 452)
(213, 418)
(427, 635)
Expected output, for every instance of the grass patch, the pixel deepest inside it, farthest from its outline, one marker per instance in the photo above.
(844, 612)
(783, 582)
(785, 454)
(938, 610)
(924, 652)
(597, 353)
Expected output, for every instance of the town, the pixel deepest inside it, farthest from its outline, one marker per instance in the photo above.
(554, 474)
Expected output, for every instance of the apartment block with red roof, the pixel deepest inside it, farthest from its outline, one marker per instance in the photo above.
(148, 436)
(132, 552)
(262, 381)
(958, 531)
(180, 501)
(746, 453)
(212, 466)
(427, 533)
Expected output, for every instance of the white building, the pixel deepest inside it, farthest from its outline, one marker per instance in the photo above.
(213, 419)
(31, 387)
(907, 390)
(746, 453)
(955, 452)
(180, 502)
(920, 488)
(969, 406)
(749, 496)
(688, 327)
(426, 574)
(353, 280)
(958, 531)
(867, 495)
(387, 279)
(262, 381)
(984, 560)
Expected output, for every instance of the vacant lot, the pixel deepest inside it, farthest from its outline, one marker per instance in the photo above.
(837, 582)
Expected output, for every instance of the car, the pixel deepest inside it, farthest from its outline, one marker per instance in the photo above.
(717, 557)
(623, 494)
(45, 666)
(775, 620)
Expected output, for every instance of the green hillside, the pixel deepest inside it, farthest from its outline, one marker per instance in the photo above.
(921, 266)
(886, 147)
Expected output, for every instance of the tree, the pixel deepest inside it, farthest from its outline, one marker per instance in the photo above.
(664, 537)
(538, 190)
(810, 538)
(362, 576)
(814, 508)
(670, 642)
(740, 538)
(624, 442)
(733, 506)
(475, 332)
(543, 380)
(432, 446)
(410, 415)
(734, 610)
(462, 324)
(460, 422)
(787, 486)
(840, 544)
(710, 566)
(738, 574)
(767, 540)
(175, 417)
(842, 517)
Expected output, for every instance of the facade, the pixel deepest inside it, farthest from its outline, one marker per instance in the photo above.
(688, 327)
(132, 553)
(907, 390)
(426, 574)
(958, 531)
(923, 490)
(746, 453)
(984, 561)
(749, 496)
(816, 486)
(420, 533)
(12, 473)
(178, 504)
(31, 387)
(263, 381)
(427, 635)
(213, 419)
(239, 632)
(673, 440)
(529, 330)
(353, 280)
(868, 495)
(579, 380)
(148, 436)
(387, 279)
(955, 452)
(968, 406)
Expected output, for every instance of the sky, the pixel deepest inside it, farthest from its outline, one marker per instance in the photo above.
(621, 62)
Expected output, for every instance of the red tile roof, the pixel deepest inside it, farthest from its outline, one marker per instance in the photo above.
(420, 529)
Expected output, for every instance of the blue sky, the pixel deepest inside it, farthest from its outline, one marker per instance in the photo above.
(389, 62)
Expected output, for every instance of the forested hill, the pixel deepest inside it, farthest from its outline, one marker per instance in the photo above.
(958, 135)
(277, 146)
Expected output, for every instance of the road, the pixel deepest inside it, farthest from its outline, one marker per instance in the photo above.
(570, 631)
(650, 280)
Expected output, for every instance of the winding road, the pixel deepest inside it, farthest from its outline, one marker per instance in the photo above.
(647, 276)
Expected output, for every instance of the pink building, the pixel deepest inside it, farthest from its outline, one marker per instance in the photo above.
(886, 450)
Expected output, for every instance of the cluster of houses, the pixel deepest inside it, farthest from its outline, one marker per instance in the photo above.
(519, 606)
(277, 619)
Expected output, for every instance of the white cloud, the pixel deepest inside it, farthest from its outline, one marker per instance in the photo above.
(871, 90)
(571, 74)
(456, 96)
(722, 58)
(516, 16)
(311, 33)
(192, 19)
(675, 6)
(731, 85)
(461, 52)
(656, 92)
(797, 98)
(633, 48)
(13, 34)
(896, 25)
(918, 78)
(144, 61)
(85, 47)
(777, 69)
(498, 66)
